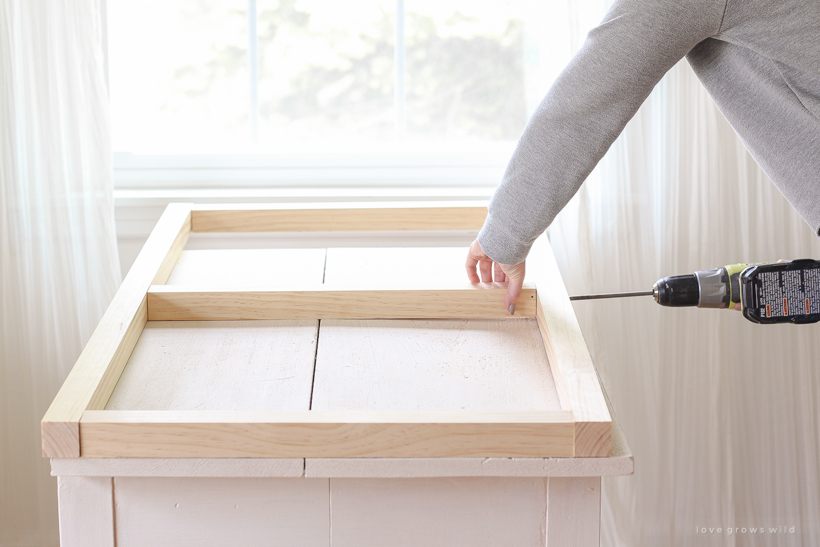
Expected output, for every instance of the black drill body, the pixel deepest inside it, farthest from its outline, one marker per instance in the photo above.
(783, 292)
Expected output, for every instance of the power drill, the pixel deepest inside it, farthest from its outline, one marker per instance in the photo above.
(782, 292)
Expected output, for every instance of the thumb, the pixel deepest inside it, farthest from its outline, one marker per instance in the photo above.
(515, 281)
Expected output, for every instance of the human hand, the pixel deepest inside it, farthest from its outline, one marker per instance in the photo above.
(513, 275)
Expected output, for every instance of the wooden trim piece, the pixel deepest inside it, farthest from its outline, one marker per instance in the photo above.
(340, 217)
(112, 373)
(75, 425)
(577, 382)
(173, 254)
(90, 382)
(328, 302)
(321, 434)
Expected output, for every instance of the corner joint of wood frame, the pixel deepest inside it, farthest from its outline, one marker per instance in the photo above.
(593, 439)
(60, 439)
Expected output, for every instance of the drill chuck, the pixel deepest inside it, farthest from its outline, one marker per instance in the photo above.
(715, 288)
(677, 290)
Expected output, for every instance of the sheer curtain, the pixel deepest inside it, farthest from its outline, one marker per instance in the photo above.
(58, 255)
(723, 416)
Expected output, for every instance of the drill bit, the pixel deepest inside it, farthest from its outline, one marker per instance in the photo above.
(611, 295)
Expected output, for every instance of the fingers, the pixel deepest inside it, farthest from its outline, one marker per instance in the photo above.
(485, 266)
(513, 275)
(477, 257)
(515, 282)
(498, 274)
(474, 256)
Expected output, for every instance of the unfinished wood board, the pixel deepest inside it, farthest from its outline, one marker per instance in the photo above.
(362, 301)
(579, 387)
(245, 268)
(323, 434)
(153, 512)
(94, 375)
(485, 365)
(322, 240)
(219, 365)
(405, 266)
(620, 462)
(438, 512)
(331, 217)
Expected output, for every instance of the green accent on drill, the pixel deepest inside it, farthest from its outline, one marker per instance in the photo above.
(734, 271)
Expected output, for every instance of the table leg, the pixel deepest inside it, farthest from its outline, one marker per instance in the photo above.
(574, 511)
(86, 507)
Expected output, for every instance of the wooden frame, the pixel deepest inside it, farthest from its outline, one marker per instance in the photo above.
(77, 424)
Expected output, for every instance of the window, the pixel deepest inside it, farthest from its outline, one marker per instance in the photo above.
(210, 93)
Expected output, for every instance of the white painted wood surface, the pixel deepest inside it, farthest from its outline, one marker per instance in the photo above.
(219, 365)
(452, 512)
(86, 511)
(156, 512)
(247, 268)
(438, 512)
(574, 512)
(178, 467)
(425, 365)
(432, 365)
(391, 264)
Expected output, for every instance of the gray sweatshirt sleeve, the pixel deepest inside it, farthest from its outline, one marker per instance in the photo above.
(585, 111)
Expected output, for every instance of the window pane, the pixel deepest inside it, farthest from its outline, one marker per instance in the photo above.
(326, 72)
(178, 75)
(465, 70)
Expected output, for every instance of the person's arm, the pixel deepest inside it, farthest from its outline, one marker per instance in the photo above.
(584, 112)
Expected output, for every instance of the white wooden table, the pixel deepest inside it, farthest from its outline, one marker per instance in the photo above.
(400, 365)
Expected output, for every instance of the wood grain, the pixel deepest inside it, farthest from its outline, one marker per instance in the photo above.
(619, 462)
(333, 217)
(576, 379)
(583, 429)
(175, 251)
(90, 382)
(335, 302)
(219, 365)
(281, 434)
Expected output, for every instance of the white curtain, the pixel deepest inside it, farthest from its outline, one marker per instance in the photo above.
(722, 415)
(58, 255)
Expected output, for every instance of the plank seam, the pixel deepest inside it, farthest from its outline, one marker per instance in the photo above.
(315, 360)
